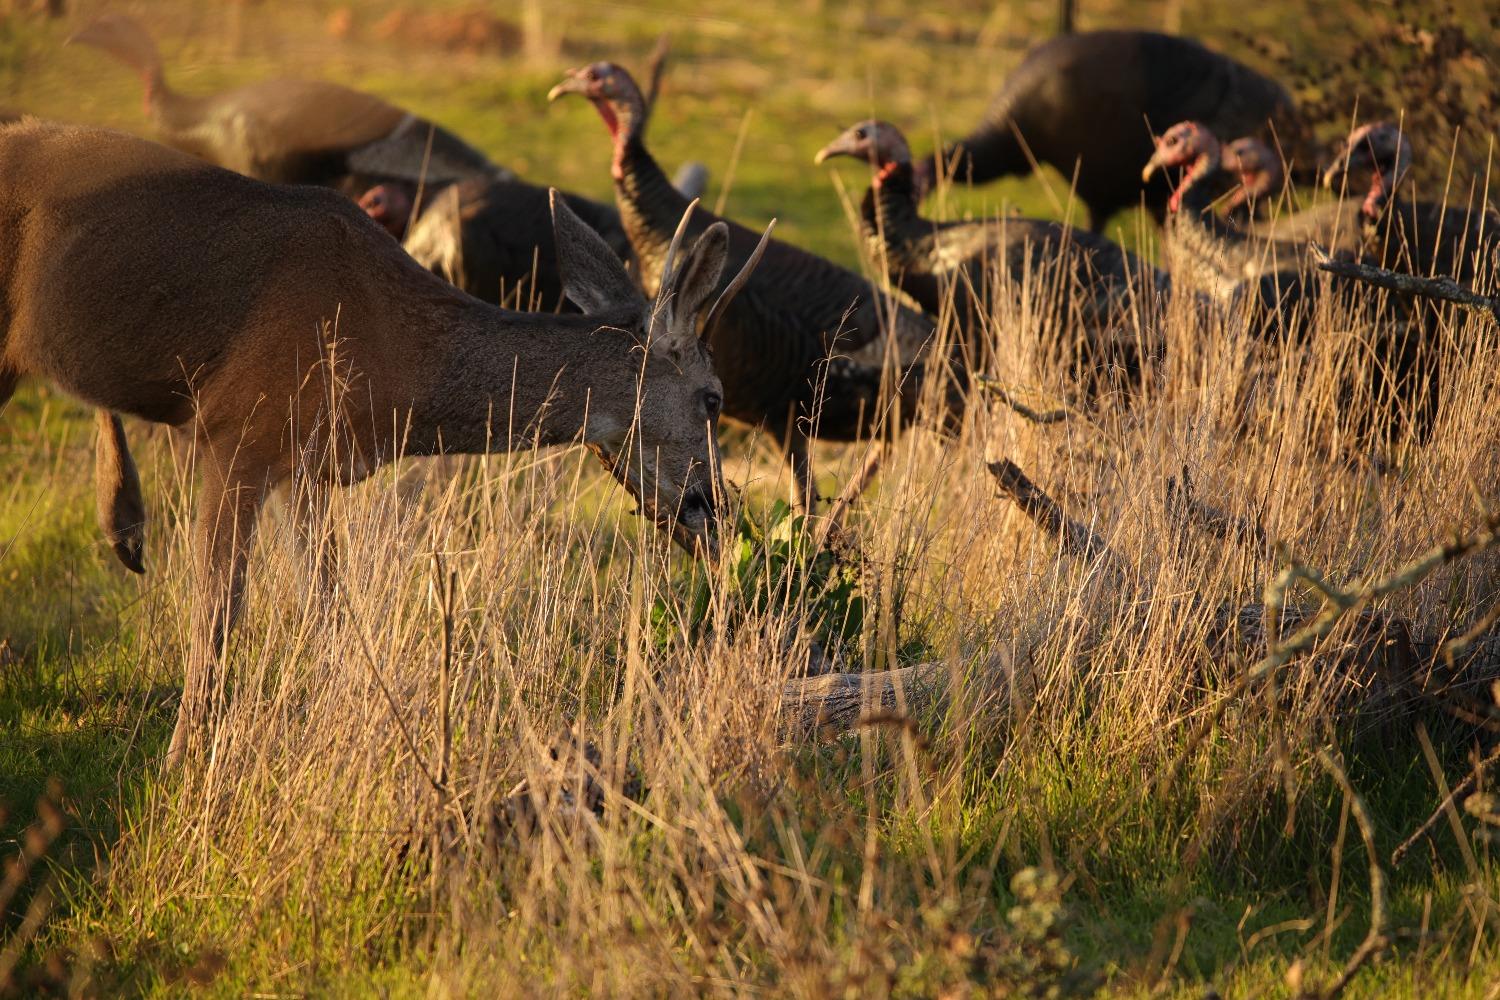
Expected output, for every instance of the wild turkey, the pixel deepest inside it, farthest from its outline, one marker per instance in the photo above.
(1333, 225)
(933, 260)
(1091, 101)
(1461, 241)
(493, 238)
(291, 131)
(1261, 178)
(804, 348)
(1272, 280)
(1211, 255)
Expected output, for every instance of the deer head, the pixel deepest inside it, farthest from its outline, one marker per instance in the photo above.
(661, 443)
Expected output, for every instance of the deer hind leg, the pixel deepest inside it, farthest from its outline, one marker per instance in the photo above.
(313, 527)
(227, 508)
(118, 502)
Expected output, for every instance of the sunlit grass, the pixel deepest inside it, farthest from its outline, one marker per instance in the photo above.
(729, 857)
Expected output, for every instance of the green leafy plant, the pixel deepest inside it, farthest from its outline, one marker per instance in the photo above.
(777, 564)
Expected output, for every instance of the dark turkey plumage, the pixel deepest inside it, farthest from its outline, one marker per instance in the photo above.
(1091, 101)
(1459, 238)
(804, 349)
(1086, 280)
(291, 131)
(1230, 265)
(493, 239)
(1260, 203)
(1275, 283)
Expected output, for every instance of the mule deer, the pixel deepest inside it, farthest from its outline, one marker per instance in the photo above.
(146, 282)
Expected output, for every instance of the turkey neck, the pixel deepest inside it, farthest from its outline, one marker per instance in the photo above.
(171, 112)
(893, 229)
(178, 114)
(650, 207)
(1197, 239)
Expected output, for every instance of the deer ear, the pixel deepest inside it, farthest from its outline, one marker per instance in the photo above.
(592, 276)
(693, 282)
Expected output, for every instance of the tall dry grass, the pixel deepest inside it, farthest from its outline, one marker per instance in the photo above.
(487, 623)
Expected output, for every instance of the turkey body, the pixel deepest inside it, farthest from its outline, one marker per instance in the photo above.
(289, 131)
(1092, 278)
(1090, 102)
(494, 239)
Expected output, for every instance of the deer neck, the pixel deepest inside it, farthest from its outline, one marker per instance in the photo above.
(500, 381)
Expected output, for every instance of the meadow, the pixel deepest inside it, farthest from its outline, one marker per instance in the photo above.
(1106, 768)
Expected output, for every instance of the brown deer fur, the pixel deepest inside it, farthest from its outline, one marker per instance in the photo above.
(145, 282)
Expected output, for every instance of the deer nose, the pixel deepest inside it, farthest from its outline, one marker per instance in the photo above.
(695, 500)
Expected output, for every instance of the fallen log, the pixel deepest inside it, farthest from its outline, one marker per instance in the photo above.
(829, 704)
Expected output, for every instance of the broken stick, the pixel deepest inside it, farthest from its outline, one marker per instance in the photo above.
(1440, 287)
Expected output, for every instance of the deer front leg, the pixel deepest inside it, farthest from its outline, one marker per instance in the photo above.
(227, 507)
(118, 502)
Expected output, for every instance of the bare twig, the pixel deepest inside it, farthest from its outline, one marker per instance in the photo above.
(1340, 601)
(1182, 501)
(1440, 287)
(1074, 538)
(1459, 790)
(1459, 645)
(1375, 940)
(852, 491)
(1000, 391)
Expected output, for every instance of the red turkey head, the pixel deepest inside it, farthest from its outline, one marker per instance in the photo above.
(1380, 148)
(616, 97)
(390, 205)
(1186, 144)
(1260, 170)
(879, 143)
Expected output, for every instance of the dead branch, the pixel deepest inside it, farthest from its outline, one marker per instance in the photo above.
(1375, 940)
(998, 389)
(1459, 791)
(1340, 602)
(1440, 287)
(1073, 537)
(852, 491)
(1183, 503)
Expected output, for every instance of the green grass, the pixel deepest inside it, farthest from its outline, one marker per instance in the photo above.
(879, 862)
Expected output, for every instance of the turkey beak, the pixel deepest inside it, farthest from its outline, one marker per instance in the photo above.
(1152, 165)
(573, 84)
(838, 147)
(1337, 170)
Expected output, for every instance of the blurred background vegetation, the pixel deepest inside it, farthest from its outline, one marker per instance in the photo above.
(755, 90)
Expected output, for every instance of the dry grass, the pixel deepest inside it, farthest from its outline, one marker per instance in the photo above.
(341, 828)
(1093, 799)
